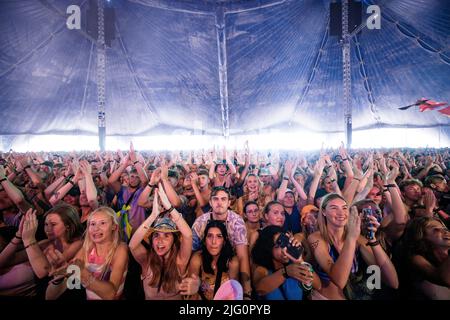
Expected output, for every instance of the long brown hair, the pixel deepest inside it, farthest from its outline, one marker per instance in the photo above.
(165, 272)
(71, 219)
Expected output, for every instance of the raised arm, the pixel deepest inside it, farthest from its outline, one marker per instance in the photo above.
(91, 190)
(138, 166)
(143, 199)
(38, 261)
(13, 192)
(194, 183)
(173, 196)
(113, 179)
(186, 240)
(70, 182)
(318, 170)
(138, 251)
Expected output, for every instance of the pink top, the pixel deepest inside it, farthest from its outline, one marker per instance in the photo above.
(151, 293)
(95, 266)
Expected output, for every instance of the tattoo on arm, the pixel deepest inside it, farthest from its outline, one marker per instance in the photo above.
(314, 245)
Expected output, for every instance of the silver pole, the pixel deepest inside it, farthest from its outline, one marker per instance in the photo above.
(101, 78)
(346, 72)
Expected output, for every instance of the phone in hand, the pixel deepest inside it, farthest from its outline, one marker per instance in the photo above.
(283, 242)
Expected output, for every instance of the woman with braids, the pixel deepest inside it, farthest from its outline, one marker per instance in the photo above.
(165, 262)
(215, 263)
(102, 260)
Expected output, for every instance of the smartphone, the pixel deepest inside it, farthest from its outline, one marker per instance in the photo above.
(283, 242)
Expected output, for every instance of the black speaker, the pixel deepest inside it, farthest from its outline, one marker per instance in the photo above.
(109, 20)
(354, 17)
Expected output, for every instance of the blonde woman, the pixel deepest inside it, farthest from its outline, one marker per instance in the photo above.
(253, 191)
(165, 263)
(103, 260)
(342, 254)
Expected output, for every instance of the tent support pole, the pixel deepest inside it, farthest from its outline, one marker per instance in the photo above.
(101, 77)
(223, 76)
(347, 77)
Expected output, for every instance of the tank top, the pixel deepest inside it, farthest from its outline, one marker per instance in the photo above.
(95, 266)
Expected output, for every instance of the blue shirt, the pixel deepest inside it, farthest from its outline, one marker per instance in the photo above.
(292, 221)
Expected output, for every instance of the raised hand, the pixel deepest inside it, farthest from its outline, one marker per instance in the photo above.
(353, 224)
(155, 177)
(163, 197)
(194, 178)
(30, 226)
(155, 210)
(429, 200)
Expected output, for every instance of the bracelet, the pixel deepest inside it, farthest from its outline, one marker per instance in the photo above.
(285, 178)
(3, 179)
(28, 166)
(356, 179)
(137, 161)
(152, 185)
(16, 236)
(389, 186)
(386, 190)
(30, 244)
(373, 244)
(16, 244)
(71, 182)
(344, 159)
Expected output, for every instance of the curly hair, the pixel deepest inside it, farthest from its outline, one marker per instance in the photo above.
(262, 250)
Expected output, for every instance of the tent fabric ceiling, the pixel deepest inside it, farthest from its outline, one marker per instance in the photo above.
(163, 71)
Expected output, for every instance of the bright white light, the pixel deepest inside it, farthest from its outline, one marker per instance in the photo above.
(266, 140)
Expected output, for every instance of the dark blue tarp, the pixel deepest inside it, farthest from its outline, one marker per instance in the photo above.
(282, 68)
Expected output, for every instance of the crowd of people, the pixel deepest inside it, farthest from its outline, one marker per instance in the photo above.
(219, 224)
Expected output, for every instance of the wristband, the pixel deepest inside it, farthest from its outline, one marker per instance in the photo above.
(356, 179)
(4, 179)
(285, 178)
(134, 163)
(373, 244)
(28, 166)
(71, 182)
(30, 244)
(344, 159)
(152, 185)
(389, 186)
